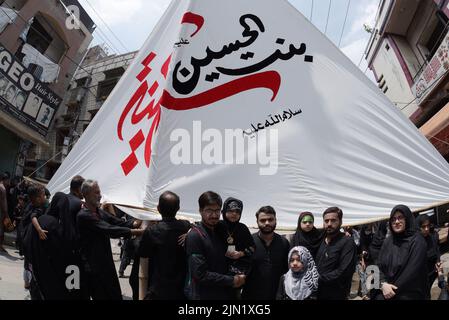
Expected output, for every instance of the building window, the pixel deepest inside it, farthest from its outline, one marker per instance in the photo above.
(382, 84)
(387, 47)
(38, 37)
(434, 34)
(105, 87)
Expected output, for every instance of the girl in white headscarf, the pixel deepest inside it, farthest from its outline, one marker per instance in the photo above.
(301, 281)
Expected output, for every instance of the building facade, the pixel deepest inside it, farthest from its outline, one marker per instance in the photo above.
(91, 86)
(408, 54)
(41, 45)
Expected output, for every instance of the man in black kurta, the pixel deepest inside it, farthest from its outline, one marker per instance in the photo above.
(166, 256)
(75, 196)
(96, 228)
(208, 277)
(270, 259)
(72, 254)
(336, 259)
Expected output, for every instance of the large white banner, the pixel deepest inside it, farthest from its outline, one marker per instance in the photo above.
(248, 99)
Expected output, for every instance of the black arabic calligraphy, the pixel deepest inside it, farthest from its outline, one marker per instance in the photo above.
(277, 55)
(180, 43)
(287, 115)
(190, 85)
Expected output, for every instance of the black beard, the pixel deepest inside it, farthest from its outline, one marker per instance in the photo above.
(266, 232)
(332, 232)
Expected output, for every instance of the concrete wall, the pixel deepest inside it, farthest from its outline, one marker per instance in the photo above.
(411, 60)
(97, 70)
(76, 40)
(387, 64)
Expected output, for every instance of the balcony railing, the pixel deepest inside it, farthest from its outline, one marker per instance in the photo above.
(433, 73)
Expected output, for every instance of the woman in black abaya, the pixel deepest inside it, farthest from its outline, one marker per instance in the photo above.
(403, 260)
(433, 250)
(49, 257)
(307, 235)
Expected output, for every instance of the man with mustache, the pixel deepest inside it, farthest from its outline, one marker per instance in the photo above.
(96, 228)
(336, 258)
(270, 258)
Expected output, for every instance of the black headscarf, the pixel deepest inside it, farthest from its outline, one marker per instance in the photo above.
(311, 240)
(236, 230)
(231, 204)
(60, 209)
(433, 251)
(410, 224)
(421, 219)
(402, 259)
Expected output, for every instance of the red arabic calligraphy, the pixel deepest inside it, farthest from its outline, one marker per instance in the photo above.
(266, 80)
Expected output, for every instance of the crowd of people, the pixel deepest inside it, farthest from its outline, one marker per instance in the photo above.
(217, 258)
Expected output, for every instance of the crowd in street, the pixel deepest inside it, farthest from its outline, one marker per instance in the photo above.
(217, 258)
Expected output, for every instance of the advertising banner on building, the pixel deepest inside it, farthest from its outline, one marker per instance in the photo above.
(434, 73)
(23, 96)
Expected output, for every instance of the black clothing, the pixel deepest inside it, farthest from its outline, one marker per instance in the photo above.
(75, 206)
(96, 229)
(310, 240)
(367, 234)
(433, 257)
(378, 240)
(336, 264)
(47, 260)
(29, 213)
(18, 216)
(238, 235)
(207, 277)
(168, 259)
(49, 257)
(433, 250)
(269, 264)
(403, 261)
(134, 277)
(282, 295)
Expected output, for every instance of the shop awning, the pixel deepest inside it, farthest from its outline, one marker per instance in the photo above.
(22, 130)
(437, 124)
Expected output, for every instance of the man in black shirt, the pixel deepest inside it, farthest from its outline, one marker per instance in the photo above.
(208, 277)
(166, 256)
(96, 228)
(336, 258)
(270, 259)
(75, 196)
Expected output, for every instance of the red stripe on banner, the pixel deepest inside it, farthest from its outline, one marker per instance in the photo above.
(146, 70)
(195, 19)
(137, 140)
(129, 164)
(153, 129)
(164, 69)
(153, 88)
(269, 80)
